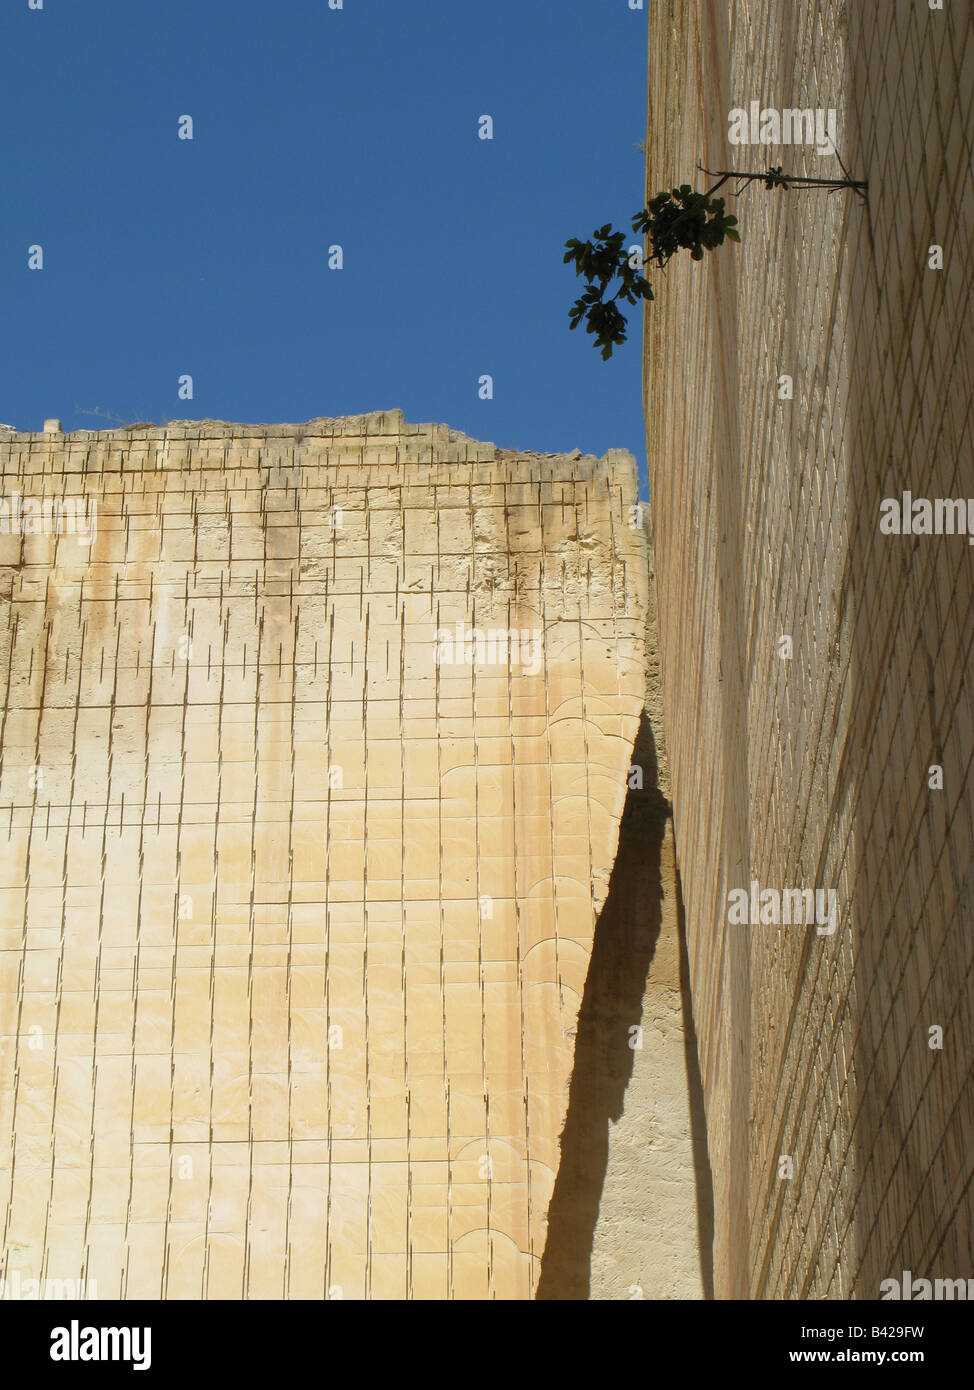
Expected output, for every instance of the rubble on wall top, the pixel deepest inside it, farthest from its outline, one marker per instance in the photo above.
(374, 425)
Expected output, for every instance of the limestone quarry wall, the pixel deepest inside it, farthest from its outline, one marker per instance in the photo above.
(813, 770)
(298, 899)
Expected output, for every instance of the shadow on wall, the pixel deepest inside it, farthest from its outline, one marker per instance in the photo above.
(703, 1179)
(622, 951)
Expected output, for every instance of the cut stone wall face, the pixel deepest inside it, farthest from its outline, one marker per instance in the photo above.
(814, 769)
(297, 907)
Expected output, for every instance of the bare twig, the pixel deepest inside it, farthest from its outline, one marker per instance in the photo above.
(782, 180)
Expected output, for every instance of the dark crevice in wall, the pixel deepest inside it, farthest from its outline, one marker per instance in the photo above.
(703, 1178)
(622, 951)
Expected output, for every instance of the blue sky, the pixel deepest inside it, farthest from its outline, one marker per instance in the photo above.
(315, 127)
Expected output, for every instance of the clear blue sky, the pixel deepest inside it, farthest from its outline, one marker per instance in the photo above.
(312, 127)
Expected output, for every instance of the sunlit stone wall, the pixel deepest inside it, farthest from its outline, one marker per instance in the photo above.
(297, 900)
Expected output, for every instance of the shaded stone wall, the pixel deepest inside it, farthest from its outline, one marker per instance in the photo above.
(296, 919)
(813, 771)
